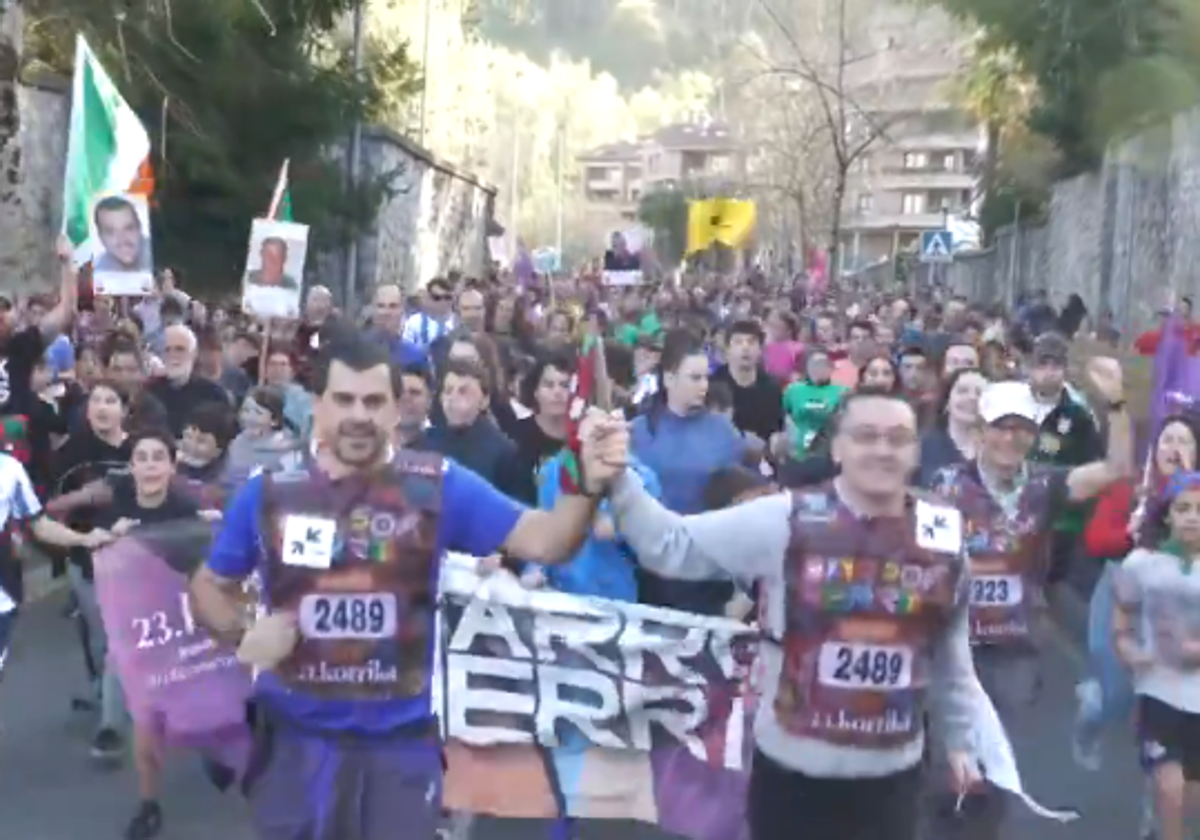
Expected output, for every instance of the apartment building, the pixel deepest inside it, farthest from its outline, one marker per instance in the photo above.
(612, 179)
(924, 165)
(616, 175)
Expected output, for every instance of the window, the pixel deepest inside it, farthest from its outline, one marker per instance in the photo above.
(720, 164)
(916, 160)
(913, 204)
(950, 162)
(866, 203)
(600, 175)
(862, 163)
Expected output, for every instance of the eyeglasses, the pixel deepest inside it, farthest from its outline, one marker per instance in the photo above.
(895, 438)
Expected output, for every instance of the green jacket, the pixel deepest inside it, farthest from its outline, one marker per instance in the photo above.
(1069, 437)
(809, 406)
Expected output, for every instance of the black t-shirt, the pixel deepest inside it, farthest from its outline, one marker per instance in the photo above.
(181, 400)
(125, 505)
(172, 529)
(534, 447)
(18, 355)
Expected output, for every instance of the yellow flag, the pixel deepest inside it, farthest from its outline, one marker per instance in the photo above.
(701, 229)
(737, 219)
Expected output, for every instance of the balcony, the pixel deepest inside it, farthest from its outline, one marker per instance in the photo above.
(937, 141)
(610, 183)
(899, 178)
(869, 221)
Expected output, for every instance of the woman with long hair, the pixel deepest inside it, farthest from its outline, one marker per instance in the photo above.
(880, 374)
(546, 391)
(1127, 515)
(955, 436)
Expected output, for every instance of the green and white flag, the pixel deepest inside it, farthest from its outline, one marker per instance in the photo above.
(108, 151)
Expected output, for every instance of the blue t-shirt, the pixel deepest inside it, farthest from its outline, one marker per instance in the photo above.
(60, 356)
(476, 519)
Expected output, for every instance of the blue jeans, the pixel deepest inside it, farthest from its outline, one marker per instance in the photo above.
(1106, 669)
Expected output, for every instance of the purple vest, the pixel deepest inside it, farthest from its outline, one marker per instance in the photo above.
(1008, 553)
(356, 561)
(866, 601)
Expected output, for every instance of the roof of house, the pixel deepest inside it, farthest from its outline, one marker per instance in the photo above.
(686, 136)
(614, 152)
(700, 136)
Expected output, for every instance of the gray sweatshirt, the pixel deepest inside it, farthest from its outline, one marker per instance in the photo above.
(749, 542)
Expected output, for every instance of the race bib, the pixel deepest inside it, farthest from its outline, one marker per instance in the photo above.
(335, 617)
(858, 666)
(996, 591)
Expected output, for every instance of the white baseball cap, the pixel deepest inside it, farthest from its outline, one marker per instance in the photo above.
(1008, 399)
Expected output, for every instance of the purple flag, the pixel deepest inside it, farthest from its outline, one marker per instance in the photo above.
(1176, 378)
(178, 680)
(523, 268)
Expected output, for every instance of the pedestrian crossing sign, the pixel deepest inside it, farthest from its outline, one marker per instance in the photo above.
(937, 246)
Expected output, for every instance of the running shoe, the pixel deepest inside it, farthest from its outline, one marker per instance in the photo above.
(146, 823)
(108, 745)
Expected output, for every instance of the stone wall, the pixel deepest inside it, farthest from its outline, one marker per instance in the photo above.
(434, 220)
(44, 115)
(1126, 238)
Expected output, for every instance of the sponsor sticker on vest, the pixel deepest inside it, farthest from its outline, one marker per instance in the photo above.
(996, 591)
(853, 665)
(308, 541)
(939, 528)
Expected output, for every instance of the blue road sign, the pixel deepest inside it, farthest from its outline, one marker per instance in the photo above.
(937, 246)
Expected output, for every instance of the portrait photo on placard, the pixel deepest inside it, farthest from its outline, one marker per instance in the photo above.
(122, 258)
(274, 268)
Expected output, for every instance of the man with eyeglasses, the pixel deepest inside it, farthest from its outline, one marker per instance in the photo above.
(864, 589)
(436, 317)
(1008, 504)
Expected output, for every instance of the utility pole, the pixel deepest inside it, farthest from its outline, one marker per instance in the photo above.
(513, 181)
(425, 72)
(559, 177)
(354, 153)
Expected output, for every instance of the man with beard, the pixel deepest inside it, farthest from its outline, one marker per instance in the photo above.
(348, 542)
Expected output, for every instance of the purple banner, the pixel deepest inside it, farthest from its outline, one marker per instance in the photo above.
(178, 680)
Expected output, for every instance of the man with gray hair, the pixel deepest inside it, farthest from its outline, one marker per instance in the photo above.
(181, 390)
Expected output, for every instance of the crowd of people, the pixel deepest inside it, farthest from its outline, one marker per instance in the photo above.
(766, 432)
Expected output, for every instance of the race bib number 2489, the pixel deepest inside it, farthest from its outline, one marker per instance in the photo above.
(348, 617)
(865, 666)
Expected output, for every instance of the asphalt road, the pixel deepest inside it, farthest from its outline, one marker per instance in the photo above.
(51, 790)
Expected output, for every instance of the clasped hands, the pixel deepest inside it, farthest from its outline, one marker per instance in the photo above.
(603, 449)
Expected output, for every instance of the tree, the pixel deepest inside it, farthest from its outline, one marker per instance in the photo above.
(1104, 68)
(228, 90)
(666, 213)
(818, 67)
(11, 217)
(791, 163)
(1016, 168)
